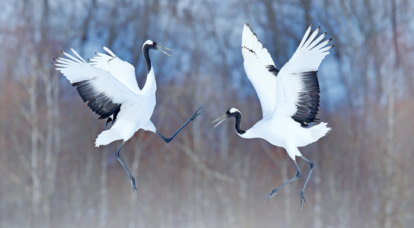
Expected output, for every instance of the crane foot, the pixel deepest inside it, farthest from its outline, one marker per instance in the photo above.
(302, 197)
(134, 187)
(270, 196)
(197, 113)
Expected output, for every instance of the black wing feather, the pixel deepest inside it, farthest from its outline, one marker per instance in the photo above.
(100, 103)
(308, 102)
(272, 69)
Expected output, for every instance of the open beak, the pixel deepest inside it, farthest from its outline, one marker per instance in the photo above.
(161, 48)
(220, 120)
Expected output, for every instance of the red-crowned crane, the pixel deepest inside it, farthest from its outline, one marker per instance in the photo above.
(289, 97)
(109, 86)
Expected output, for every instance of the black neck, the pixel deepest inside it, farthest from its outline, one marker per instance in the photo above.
(238, 121)
(145, 50)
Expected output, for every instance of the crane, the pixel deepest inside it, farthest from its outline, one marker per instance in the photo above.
(289, 97)
(109, 87)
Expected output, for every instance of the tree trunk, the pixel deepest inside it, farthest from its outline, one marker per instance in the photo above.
(35, 172)
(317, 220)
(133, 209)
(103, 216)
(287, 210)
(391, 186)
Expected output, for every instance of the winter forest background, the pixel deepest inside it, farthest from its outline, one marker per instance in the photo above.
(53, 176)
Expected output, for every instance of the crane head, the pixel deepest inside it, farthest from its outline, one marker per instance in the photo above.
(153, 45)
(230, 113)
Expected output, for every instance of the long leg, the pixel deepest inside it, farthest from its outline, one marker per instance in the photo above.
(193, 117)
(302, 193)
(131, 178)
(274, 191)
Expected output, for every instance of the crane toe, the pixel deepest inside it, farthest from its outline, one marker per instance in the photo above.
(270, 196)
(302, 197)
(197, 113)
(134, 187)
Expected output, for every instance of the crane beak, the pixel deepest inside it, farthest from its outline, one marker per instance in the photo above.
(220, 120)
(161, 48)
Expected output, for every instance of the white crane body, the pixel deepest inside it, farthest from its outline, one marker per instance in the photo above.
(285, 133)
(133, 117)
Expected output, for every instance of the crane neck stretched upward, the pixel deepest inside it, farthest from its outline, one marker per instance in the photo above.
(145, 50)
(237, 116)
(150, 84)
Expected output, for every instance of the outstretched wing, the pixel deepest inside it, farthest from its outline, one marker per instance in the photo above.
(121, 70)
(260, 70)
(297, 81)
(103, 92)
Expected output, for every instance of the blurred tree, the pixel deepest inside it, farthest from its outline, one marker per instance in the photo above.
(53, 176)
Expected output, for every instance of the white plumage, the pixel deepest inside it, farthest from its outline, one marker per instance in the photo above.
(289, 98)
(121, 70)
(109, 87)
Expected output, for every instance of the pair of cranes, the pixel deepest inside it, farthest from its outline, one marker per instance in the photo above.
(289, 97)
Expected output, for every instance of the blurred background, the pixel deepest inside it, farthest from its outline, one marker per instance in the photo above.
(53, 176)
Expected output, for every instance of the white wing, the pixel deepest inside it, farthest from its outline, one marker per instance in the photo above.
(260, 70)
(121, 70)
(104, 93)
(297, 82)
